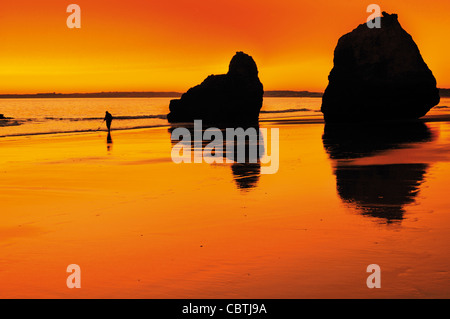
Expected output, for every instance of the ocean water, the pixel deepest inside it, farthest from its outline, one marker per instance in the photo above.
(47, 116)
(43, 116)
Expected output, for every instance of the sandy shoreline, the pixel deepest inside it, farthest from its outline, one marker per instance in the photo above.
(141, 226)
(435, 116)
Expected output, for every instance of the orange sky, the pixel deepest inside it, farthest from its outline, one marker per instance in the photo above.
(145, 45)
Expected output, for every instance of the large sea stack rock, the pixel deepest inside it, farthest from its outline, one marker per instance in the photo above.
(378, 74)
(232, 98)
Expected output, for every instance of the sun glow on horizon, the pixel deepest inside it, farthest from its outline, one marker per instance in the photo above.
(170, 46)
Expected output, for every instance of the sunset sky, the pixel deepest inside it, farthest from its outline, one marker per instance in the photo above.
(138, 45)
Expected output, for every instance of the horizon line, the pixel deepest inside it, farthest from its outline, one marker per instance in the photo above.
(112, 94)
(138, 94)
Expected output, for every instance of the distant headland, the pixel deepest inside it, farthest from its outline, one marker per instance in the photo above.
(89, 95)
(281, 93)
(142, 94)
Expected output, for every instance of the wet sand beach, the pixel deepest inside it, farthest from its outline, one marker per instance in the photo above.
(141, 226)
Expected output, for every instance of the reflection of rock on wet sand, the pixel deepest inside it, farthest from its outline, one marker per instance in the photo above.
(246, 173)
(379, 191)
(354, 141)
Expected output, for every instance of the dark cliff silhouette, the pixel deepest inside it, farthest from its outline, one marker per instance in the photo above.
(246, 173)
(378, 74)
(379, 191)
(232, 98)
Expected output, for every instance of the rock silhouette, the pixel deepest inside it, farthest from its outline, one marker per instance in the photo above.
(378, 74)
(232, 98)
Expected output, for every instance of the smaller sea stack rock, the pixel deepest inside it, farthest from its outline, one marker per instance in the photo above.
(378, 75)
(232, 98)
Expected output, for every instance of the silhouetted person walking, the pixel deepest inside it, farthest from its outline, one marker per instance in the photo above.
(108, 118)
